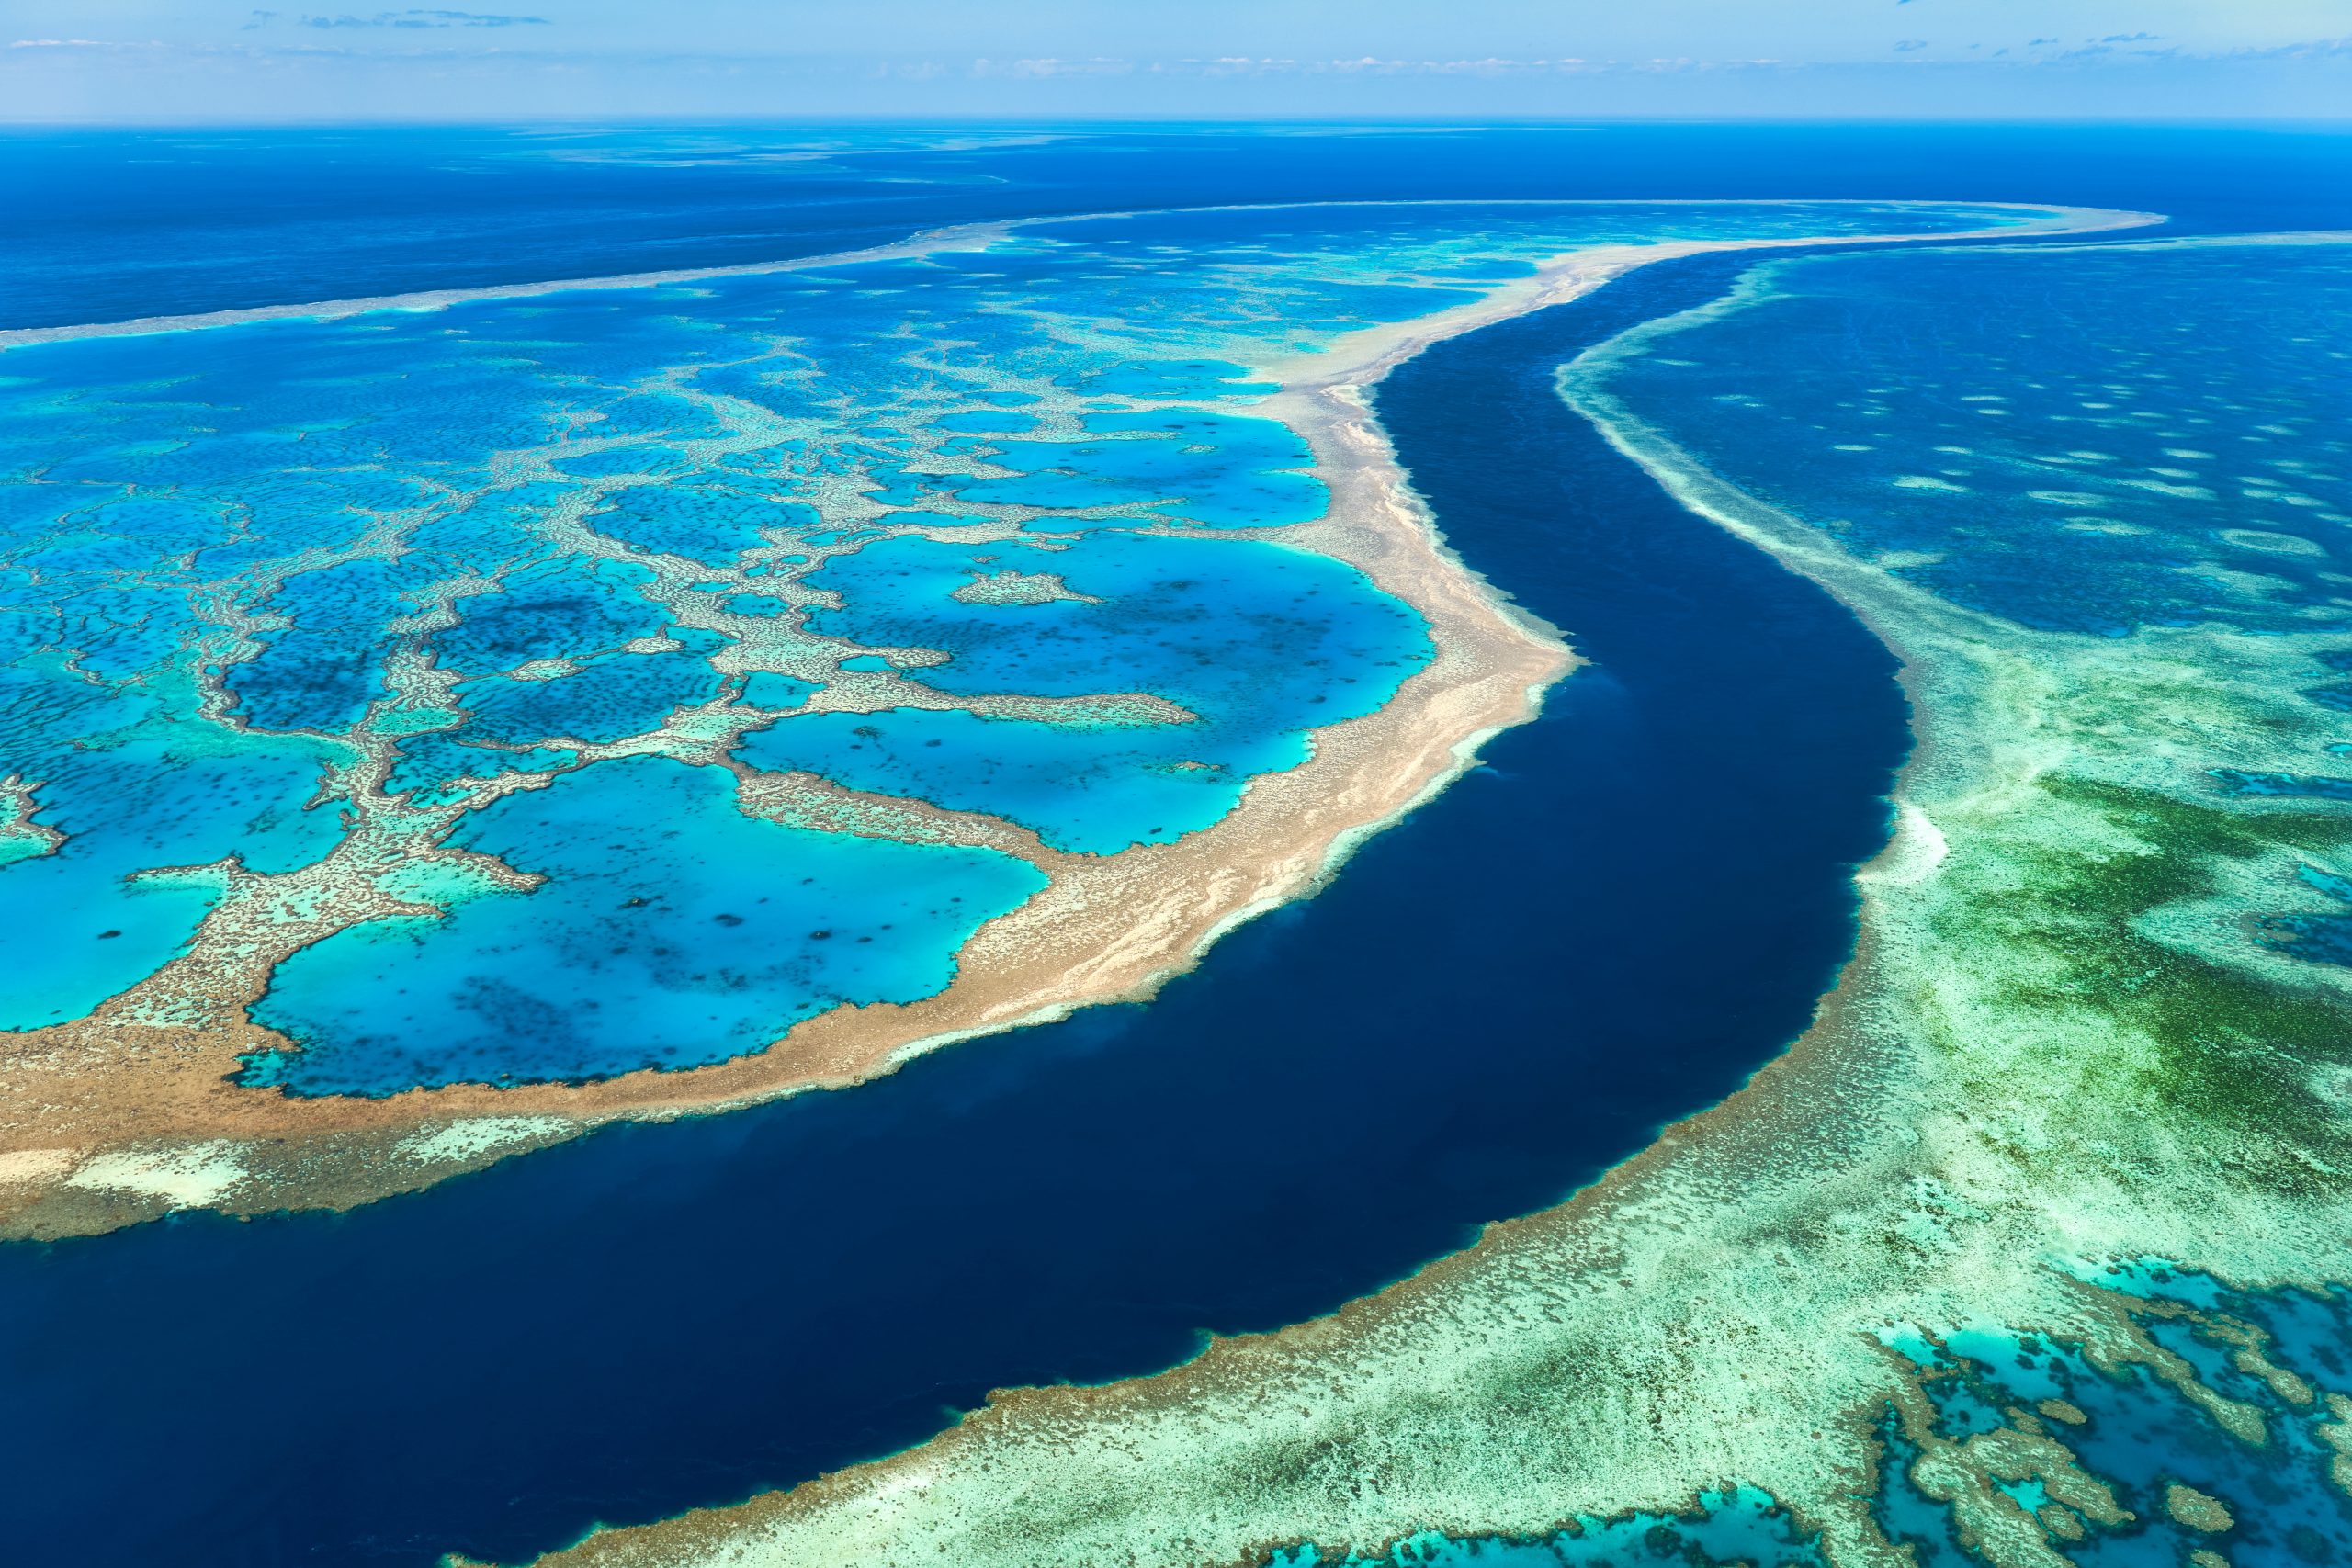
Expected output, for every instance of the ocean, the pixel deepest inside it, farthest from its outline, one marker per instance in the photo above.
(1630, 904)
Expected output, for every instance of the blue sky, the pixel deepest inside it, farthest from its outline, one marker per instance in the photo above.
(199, 60)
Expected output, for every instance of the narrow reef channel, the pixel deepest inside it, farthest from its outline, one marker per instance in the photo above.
(1635, 903)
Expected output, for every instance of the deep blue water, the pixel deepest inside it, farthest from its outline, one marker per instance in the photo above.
(149, 223)
(1608, 927)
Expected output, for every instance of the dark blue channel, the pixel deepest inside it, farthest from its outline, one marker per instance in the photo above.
(1609, 926)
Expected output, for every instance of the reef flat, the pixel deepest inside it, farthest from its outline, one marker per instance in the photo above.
(2026, 1253)
(452, 721)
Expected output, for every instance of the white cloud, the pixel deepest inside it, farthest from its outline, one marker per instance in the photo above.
(412, 18)
(1051, 66)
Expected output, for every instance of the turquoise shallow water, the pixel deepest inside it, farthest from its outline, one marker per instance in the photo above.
(1215, 470)
(2139, 1435)
(669, 923)
(531, 579)
(132, 815)
(1243, 637)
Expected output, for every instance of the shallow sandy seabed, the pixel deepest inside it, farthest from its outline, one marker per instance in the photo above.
(114, 1118)
(2053, 1052)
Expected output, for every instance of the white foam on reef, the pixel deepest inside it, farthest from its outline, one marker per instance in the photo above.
(21, 1166)
(1917, 847)
(185, 1178)
(476, 1136)
(967, 236)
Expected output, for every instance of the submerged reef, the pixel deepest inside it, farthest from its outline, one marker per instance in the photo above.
(440, 724)
(2033, 1249)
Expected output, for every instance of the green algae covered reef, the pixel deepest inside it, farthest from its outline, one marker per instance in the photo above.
(2023, 1253)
